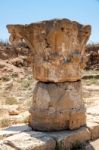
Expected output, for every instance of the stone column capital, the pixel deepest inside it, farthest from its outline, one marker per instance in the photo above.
(58, 48)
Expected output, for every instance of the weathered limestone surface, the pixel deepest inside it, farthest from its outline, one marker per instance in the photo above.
(33, 140)
(93, 145)
(29, 141)
(66, 139)
(58, 55)
(14, 129)
(57, 106)
(57, 47)
(21, 137)
(94, 129)
(6, 147)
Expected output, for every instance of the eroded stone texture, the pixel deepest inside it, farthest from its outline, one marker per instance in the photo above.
(58, 53)
(29, 141)
(34, 140)
(57, 106)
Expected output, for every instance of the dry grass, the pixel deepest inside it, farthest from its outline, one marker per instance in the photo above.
(91, 81)
(11, 101)
(5, 123)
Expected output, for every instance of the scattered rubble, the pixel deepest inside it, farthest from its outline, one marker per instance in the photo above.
(93, 56)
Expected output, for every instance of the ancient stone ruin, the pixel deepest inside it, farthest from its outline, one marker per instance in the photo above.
(58, 58)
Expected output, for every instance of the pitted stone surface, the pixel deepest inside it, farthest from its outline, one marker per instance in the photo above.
(58, 57)
(66, 139)
(14, 129)
(57, 106)
(30, 141)
(34, 140)
(58, 48)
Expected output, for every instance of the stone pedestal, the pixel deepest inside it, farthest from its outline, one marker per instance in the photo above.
(57, 106)
(58, 57)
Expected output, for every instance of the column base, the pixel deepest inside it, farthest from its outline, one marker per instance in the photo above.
(57, 107)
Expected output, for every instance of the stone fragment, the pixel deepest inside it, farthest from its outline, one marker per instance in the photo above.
(6, 147)
(34, 140)
(94, 129)
(5, 110)
(57, 106)
(21, 118)
(94, 145)
(58, 48)
(14, 112)
(66, 139)
(31, 141)
(14, 129)
(14, 119)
